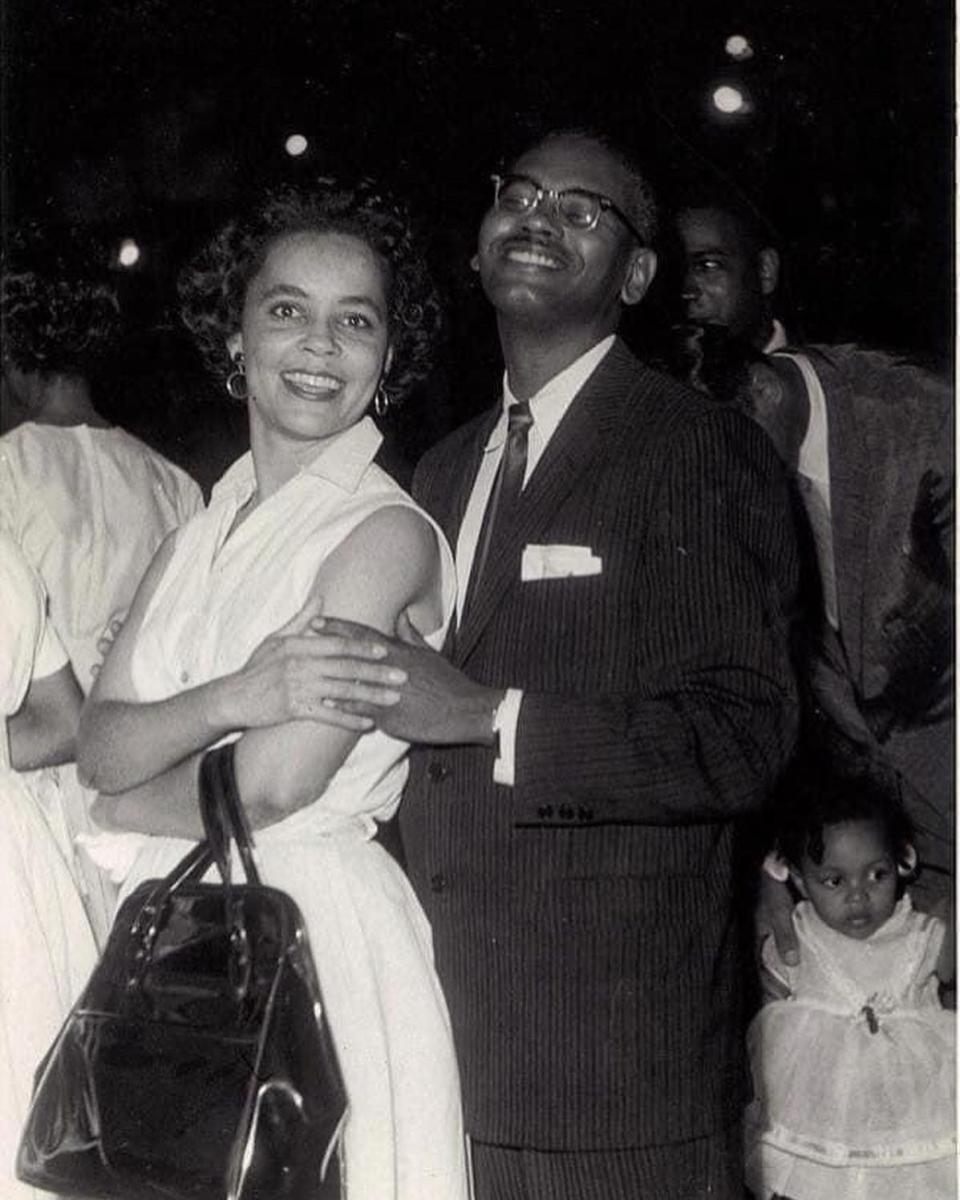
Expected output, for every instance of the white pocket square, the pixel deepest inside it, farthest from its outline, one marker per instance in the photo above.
(558, 562)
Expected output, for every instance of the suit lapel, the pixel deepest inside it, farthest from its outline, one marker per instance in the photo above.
(590, 420)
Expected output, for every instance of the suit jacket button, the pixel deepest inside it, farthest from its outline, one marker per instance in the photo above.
(567, 813)
(437, 771)
(545, 812)
(437, 883)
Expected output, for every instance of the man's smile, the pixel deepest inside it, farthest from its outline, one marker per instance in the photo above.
(525, 252)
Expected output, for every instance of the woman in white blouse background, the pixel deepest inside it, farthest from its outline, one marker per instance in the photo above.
(86, 502)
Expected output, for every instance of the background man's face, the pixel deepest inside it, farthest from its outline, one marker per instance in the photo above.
(721, 280)
(534, 267)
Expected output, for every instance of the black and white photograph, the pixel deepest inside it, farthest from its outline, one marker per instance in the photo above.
(477, 609)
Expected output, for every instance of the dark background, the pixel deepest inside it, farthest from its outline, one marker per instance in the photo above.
(154, 118)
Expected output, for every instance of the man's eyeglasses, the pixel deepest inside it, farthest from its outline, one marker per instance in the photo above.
(576, 207)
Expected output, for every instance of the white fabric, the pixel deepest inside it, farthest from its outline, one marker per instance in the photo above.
(849, 1102)
(217, 600)
(813, 472)
(46, 946)
(547, 407)
(505, 726)
(29, 647)
(778, 338)
(88, 507)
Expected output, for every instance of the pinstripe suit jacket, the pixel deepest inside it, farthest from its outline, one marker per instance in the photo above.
(582, 919)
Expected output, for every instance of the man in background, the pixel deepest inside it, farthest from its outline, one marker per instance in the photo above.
(731, 270)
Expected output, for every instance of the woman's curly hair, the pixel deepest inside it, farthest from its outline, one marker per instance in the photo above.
(58, 305)
(213, 285)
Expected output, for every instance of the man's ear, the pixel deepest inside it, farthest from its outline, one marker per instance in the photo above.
(235, 345)
(768, 265)
(475, 262)
(640, 272)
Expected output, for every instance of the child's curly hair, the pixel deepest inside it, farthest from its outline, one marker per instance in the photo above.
(820, 798)
(58, 305)
(213, 285)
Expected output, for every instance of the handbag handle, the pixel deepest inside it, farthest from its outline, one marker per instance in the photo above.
(224, 817)
(224, 820)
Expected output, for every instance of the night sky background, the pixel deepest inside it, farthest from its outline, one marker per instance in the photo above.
(152, 119)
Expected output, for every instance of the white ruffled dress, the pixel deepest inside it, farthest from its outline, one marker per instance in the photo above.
(854, 1074)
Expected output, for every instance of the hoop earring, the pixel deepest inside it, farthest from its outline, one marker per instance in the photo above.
(236, 381)
(381, 402)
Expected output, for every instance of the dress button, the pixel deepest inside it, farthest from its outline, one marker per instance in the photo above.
(567, 813)
(184, 676)
(585, 814)
(545, 811)
(437, 883)
(437, 771)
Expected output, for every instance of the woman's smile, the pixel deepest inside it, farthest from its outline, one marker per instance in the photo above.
(312, 386)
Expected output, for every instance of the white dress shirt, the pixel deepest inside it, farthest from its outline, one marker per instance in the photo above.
(777, 339)
(813, 476)
(547, 408)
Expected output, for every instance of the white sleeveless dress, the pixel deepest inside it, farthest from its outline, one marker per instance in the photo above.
(216, 602)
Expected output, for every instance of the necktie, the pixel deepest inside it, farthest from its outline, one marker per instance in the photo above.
(506, 486)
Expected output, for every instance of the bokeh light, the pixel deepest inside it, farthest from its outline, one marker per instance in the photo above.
(295, 145)
(728, 99)
(738, 47)
(129, 253)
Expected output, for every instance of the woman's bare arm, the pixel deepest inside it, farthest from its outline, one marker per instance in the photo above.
(388, 565)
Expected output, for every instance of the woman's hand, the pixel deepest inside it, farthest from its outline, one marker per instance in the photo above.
(298, 674)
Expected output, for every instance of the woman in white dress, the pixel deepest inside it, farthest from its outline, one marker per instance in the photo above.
(322, 304)
(87, 503)
(46, 945)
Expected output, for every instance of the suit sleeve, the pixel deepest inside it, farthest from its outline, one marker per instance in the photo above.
(712, 717)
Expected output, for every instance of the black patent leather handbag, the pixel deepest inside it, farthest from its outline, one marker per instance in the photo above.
(197, 1064)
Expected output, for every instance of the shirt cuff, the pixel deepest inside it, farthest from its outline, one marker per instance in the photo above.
(505, 726)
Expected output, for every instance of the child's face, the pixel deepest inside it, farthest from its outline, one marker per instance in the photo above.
(854, 888)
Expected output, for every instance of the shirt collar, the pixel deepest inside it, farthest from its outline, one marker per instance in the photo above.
(778, 338)
(548, 405)
(342, 461)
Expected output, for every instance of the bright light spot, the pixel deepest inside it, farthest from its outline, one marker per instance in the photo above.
(738, 47)
(129, 253)
(727, 99)
(295, 145)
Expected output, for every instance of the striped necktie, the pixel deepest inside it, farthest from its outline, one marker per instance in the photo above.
(506, 489)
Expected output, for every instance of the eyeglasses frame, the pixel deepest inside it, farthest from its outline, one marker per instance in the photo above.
(554, 194)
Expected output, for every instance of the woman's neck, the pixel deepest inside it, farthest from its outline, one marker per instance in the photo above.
(277, 458)
(66, 400)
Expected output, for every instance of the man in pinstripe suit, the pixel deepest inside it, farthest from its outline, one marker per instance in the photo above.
(616, 695)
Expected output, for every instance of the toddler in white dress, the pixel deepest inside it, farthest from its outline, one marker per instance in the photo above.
(854, 1063)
